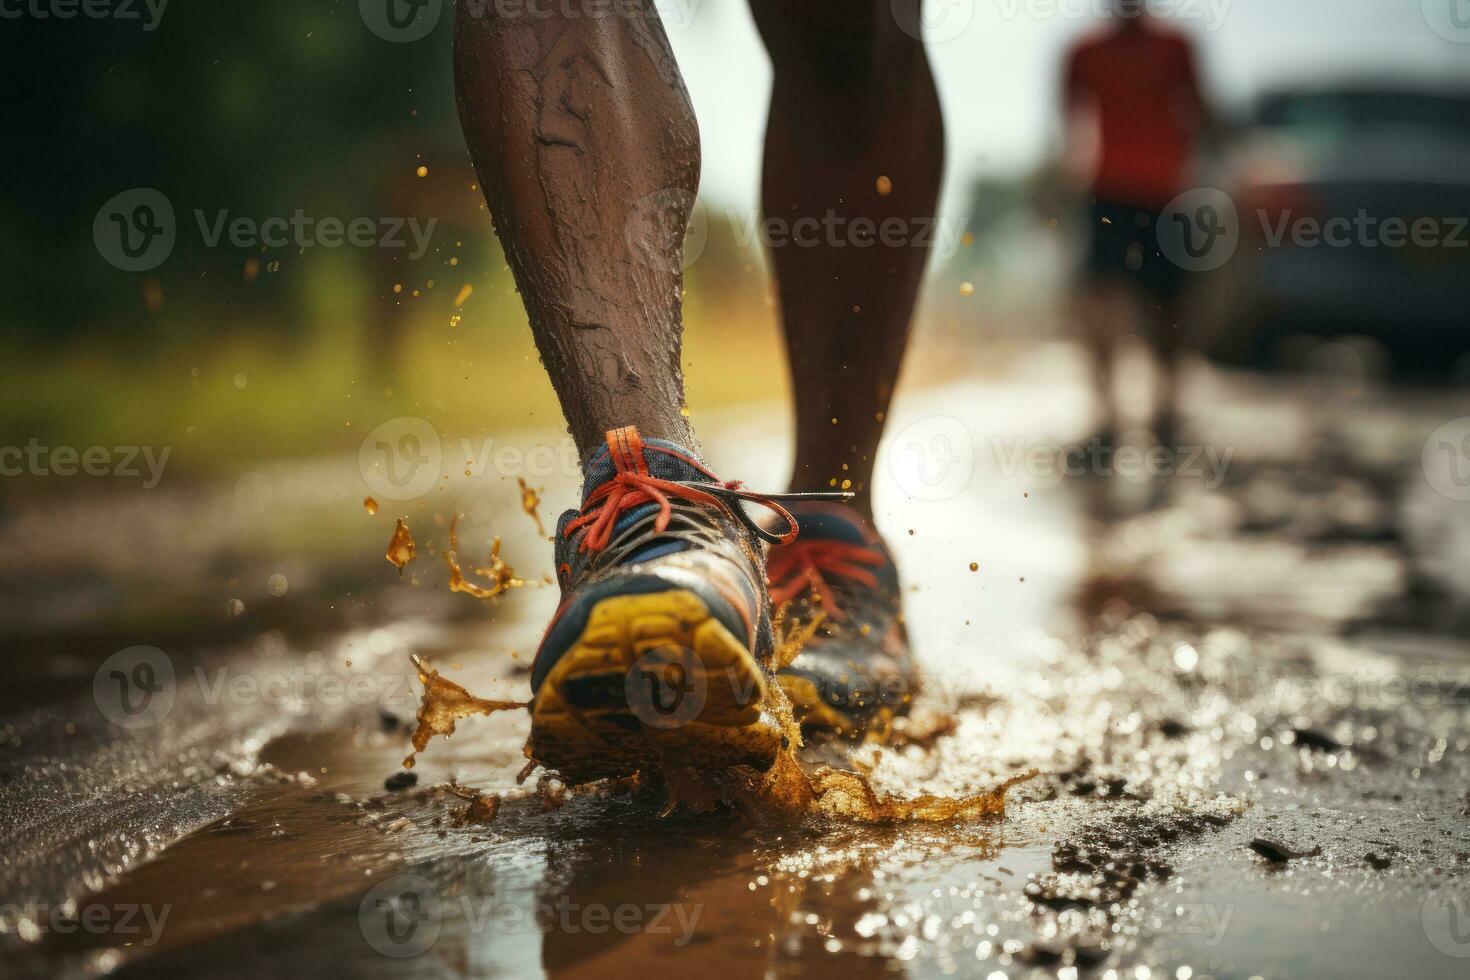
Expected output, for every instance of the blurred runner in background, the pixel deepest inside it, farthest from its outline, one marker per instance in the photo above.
(1134, 111)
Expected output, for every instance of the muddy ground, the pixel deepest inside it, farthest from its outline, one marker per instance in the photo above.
(1245, 686)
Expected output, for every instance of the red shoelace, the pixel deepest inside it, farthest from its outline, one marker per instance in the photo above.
(802, 565)
(634, 486)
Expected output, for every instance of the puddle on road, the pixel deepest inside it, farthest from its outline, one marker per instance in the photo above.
(1159, 750)
(1166, 745)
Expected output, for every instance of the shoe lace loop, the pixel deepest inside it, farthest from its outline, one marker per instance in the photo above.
(806, 565)
(634, 486)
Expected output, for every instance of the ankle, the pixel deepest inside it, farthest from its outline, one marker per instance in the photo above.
(590, 437)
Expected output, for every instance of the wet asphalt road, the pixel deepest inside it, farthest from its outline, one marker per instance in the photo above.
(1266, 649)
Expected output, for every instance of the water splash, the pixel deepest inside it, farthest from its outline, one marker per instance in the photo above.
(502, 577)
(401, 547)
(445, 703)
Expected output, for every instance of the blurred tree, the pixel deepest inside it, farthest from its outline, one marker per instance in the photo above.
(256, 109)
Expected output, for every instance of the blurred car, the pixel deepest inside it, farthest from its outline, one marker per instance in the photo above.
(1363, 165)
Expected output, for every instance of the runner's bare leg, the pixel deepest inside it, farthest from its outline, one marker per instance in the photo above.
(853, 101)
(581, 131)
(1106, 309)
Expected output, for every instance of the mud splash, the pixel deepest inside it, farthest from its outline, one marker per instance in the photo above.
(401, 547)
(850, 796)
(789, 793)
(443, 705)
(792, 635)
(785, 793)
(502, 577)
(531, 504)
(482, 810)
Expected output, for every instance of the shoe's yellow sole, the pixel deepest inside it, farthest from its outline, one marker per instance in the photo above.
(654, 680)
(811, 709)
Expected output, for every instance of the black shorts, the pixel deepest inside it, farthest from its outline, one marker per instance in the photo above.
(1123, 245)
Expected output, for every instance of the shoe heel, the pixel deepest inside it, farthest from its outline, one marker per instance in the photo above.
(653, 678)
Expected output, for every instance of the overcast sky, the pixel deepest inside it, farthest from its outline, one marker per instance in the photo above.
(997, 62)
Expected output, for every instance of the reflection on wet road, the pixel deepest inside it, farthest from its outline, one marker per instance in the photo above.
(1246, 689)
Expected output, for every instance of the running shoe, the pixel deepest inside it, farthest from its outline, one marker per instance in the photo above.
(837, 594)
(661, 650)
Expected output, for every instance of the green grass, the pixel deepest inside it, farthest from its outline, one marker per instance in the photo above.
(238, 392)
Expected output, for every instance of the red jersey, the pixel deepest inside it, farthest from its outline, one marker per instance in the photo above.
(1139, 85)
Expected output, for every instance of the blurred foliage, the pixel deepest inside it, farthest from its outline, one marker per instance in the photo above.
(231, 354)
(254, 108)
